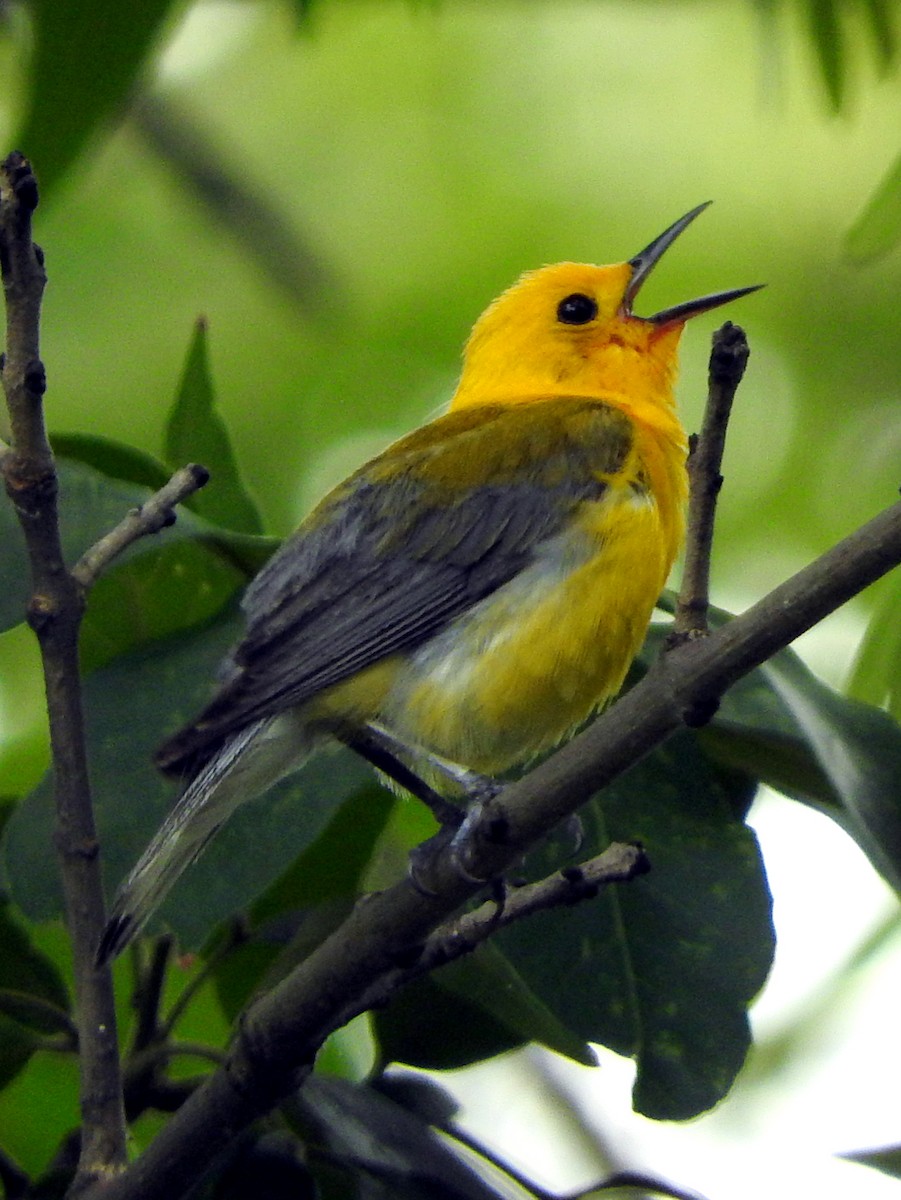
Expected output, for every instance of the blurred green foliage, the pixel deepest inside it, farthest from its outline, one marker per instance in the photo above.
(339, 190)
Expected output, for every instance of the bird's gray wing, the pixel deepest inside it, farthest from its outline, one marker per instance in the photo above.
(410, 542)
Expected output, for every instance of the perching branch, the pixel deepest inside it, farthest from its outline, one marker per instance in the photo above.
(388, 931)
(54, 613)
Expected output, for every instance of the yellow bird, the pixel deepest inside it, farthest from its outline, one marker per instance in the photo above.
(473, 593)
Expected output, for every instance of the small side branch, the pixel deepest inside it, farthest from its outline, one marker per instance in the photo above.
(619, 863)
(154, 514)
(728, 359)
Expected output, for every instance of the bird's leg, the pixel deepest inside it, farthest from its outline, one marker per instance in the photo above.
(384, 751)
(380, 749)
(476, 788)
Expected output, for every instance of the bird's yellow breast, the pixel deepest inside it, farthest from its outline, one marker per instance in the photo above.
(515, 674)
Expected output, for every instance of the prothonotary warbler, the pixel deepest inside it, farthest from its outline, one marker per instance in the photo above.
(473, 593)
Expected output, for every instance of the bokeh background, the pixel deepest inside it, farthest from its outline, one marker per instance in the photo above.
(340, 189)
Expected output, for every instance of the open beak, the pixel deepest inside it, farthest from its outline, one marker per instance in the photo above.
(643, 264)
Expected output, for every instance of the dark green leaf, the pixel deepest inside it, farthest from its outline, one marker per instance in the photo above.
(17, 1044)
(783, 726)
(91, 504)
(130, 706)
(887, 1160)
(30, 990)
(87, 58)
(333, 867)
(828, 44)
(23, 969)
(661, 969)
(36, 1014)
(488, 980)
(878, 228)
(880, 15)
(474, 1008)
(419, 1094)
(269, 1164)
(377, 1140)
(753, 732)
(859, 750)
(179, 585)
(196, 433)
(425, 1025)
(312, 896)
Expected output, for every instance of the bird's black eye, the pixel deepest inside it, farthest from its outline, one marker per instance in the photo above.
(577, 309)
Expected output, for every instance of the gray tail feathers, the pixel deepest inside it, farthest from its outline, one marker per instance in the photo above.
(247, 763)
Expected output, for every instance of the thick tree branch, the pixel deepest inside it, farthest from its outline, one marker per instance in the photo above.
(387, 932)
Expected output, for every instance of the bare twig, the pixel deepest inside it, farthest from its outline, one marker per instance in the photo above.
(55, 613)
(148, 994)
(154, 514)
(728, 359)
(619, 863)
(279, 1036)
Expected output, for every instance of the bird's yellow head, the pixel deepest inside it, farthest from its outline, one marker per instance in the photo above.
(569, 329)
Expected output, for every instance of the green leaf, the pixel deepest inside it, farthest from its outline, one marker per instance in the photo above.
(130, 705)
(31, 994)
(887, 1160)
(87, 59)
(661, 969)
(333, 868)
(131, 603)
(880, 17)
(17, 1044)
(116, 460)
(24, 969)
(34, 1013)
(427, 1025)
(783, 726)
(469, 1010)
(876, 675)
(859, 750)
(369, 1135)
(91, 504)
(878, 228)
(828, 44)
(196, 433)
(179, 585)
(312, 896)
